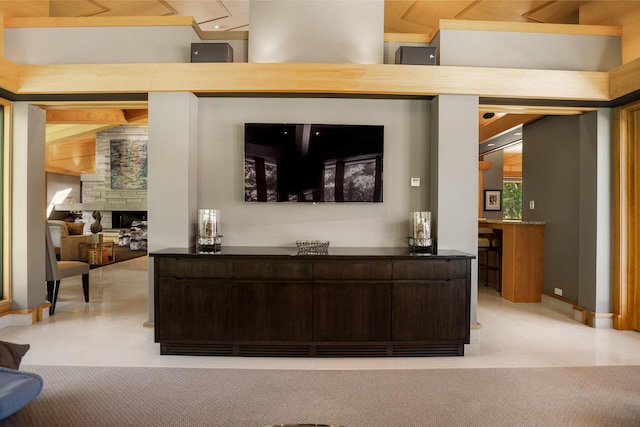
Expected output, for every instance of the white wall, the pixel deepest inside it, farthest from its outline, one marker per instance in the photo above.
(220, 172)
(346, 31)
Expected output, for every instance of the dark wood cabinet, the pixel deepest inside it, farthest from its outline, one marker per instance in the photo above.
(352, 302)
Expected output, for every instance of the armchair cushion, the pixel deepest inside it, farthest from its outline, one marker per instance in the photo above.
(11, 354)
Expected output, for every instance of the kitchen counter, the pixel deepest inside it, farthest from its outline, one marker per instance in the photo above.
(522, 258)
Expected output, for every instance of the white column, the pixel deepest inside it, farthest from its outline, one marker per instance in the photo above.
(454, 178)
(28, 207)
(172, 176)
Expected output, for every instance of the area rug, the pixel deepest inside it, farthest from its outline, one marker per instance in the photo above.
(118, 396)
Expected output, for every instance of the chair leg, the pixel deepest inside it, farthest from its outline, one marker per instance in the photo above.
(50, 291)
(85, 287)
(56, 286)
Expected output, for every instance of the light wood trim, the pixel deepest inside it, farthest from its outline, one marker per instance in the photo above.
(8, 75)
(353, 79)
(7, 174)
(626, 241)
(484, 165)
(98, 21)
(530, 27)
(624, 79)
(406, 38)
(221, 35)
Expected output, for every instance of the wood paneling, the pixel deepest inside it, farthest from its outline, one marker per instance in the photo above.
(72, 157)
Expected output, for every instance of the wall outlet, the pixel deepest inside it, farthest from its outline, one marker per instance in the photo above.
(415, 182)
(532, 204)
(558, 291)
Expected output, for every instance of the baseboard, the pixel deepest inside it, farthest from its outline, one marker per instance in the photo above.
(577, 313)
(18, 318)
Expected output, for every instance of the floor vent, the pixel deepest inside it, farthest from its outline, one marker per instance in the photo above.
(428, 350)
(352, 351)
(273, 350)
(200, 349)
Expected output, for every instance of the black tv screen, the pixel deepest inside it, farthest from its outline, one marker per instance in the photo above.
(288, 162)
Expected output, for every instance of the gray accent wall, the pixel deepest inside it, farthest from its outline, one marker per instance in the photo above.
(567, 172)
(221, 166)
(492, 180)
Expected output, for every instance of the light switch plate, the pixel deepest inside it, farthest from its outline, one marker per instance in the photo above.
(415, 182)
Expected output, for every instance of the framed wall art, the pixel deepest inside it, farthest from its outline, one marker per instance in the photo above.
(492, 200)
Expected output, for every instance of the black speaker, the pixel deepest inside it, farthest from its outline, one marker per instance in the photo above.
(211, 52)
(417, 55)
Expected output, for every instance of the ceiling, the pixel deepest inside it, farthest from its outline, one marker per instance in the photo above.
(400, 16)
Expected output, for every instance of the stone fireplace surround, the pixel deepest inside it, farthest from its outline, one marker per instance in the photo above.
(117, 207)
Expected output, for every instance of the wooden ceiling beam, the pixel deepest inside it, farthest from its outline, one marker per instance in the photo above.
(504, 123)
(87, 116)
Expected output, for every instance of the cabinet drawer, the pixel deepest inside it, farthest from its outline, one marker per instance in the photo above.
(425, 269)
(352, 270)
(194, 267)
(275, 269)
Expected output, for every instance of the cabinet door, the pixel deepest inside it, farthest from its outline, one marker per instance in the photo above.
(194, 309)
(351, 311)
(272, 311)
(430, 311)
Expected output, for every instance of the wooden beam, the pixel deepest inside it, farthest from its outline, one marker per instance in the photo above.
(624, 79)
(352, 79)
(102, 116)
(137, 117)
(504, 123)
(8, 75)
(60, 133)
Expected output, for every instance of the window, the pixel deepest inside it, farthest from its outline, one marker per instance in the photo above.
(512, 199)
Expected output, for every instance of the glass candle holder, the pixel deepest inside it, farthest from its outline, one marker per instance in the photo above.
(420, 225)
(209, 238)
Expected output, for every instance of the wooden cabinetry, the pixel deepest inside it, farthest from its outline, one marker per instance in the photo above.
(353, 302)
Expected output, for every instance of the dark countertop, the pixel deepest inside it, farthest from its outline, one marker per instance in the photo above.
(292, 251)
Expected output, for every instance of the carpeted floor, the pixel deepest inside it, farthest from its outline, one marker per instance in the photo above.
(104, 396)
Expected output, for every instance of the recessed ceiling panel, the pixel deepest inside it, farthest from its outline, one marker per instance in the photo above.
(505, 10)
(64, 8)
(24, 8)
(135, 8)
(557, 12)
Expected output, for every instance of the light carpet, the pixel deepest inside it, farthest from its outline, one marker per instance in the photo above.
(128, 396)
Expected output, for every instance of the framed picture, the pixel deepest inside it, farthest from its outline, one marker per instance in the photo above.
(492, 200)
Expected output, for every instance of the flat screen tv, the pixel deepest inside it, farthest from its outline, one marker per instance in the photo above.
(288, 162)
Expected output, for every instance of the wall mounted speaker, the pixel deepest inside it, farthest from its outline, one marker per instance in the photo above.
(417, 55)
(211, 52)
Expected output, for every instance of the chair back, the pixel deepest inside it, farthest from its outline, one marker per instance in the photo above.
(52, 271)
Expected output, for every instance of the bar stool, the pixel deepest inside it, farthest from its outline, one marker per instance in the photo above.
(490, 242)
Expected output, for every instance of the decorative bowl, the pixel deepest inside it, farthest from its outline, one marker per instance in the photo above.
(312, 247)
